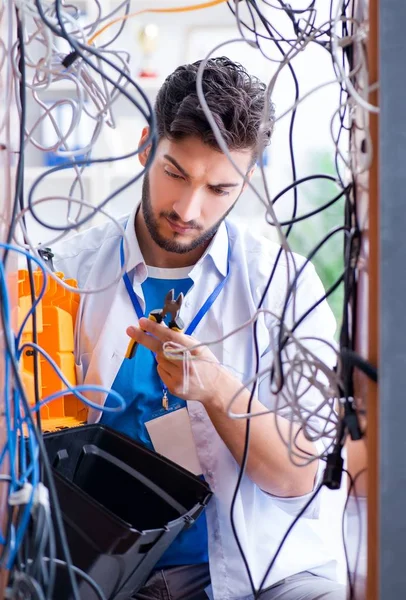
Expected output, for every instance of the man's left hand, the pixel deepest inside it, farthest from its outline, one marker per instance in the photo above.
(202, 387)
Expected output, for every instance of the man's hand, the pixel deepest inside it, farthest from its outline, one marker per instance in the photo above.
(203, 374)
(268, 464)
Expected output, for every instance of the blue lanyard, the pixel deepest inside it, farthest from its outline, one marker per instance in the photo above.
(202, 311)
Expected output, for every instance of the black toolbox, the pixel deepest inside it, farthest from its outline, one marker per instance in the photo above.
(122, 506)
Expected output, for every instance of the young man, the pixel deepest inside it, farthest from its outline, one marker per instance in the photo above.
(178, 239)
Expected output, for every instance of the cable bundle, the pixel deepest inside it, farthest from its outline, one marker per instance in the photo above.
(33, 62)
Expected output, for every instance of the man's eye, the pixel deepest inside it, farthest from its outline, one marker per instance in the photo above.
(219, 192)
(172, 175)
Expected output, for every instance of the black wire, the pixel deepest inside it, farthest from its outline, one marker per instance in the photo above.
(327, 293)
(19, 203)
(80, 50)
(85, 577)
(38, 537)
(19, 200)
(292, 42)
(343, 91)
(61, 563)
(25, 584)
(285, 537)
(40, 542)
(20, 162)
(150, 117)
(250, 4)
(295, 521)
(314, 212)
(282, 340)
(354, 359)
(52, 555)
(255, 326)
(347, 561)
(351, 581)
(121, 26)
(20, 193)
(335, 285)
(349, 318)
(300, 181)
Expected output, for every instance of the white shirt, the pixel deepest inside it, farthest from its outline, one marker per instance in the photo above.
(93, 259)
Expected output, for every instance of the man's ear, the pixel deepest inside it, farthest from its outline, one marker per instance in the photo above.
(248, 176)
(143, 155)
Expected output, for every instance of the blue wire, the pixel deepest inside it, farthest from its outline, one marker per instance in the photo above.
(10, 436)
(85, 388)
(23, 460)
(37, 299)
(33, 447)
(117, 396)
(14, 539)
(15, 434)
(25, 519)
(3, 454)
(73, 389)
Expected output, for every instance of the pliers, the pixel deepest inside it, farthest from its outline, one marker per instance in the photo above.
(171, 307)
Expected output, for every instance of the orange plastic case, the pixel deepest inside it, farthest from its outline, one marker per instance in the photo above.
(56, 316)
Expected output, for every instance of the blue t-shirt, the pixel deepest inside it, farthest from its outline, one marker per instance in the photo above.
(138, 382)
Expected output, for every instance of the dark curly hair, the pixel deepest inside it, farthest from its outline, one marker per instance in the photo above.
(235, 98)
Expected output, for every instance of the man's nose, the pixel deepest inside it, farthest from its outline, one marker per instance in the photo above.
(189, 206)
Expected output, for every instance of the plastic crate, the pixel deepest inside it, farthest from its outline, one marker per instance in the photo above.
(122, 507)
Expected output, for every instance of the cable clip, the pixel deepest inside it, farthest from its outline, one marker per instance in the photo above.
(22, 496)
(334, 470)
(41, 496)
(47, 255)
(351, 418)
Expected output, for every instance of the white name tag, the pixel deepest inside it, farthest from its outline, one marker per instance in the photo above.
(171, 435)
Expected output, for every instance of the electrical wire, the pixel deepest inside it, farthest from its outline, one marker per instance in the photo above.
(102, 74)
(257, 593)
(37, 436)
(177, 9)
(61, 563)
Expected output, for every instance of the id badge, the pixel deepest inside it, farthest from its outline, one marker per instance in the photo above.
(172, 436)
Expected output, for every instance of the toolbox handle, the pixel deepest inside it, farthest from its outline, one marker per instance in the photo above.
(91, 449)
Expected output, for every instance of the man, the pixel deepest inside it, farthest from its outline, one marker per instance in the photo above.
(178, 239)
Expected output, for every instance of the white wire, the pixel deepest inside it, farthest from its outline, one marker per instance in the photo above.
(301, 368)
(6, 126)
(359, 36)
(328, 393)
(33, 248)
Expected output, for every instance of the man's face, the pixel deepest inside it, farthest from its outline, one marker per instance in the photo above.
(189, 189)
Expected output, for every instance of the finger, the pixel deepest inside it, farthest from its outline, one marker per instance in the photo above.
(164, 374)
(148, 341)
(168, 363)
(164, 334)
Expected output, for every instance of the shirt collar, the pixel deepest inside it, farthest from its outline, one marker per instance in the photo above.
(135, 260)
(217, 251)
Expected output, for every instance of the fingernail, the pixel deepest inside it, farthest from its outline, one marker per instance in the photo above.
(131, 331)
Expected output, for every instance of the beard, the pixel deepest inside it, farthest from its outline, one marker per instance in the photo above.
(173, 244)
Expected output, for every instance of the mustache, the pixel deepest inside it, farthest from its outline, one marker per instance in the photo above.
(173, 216)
